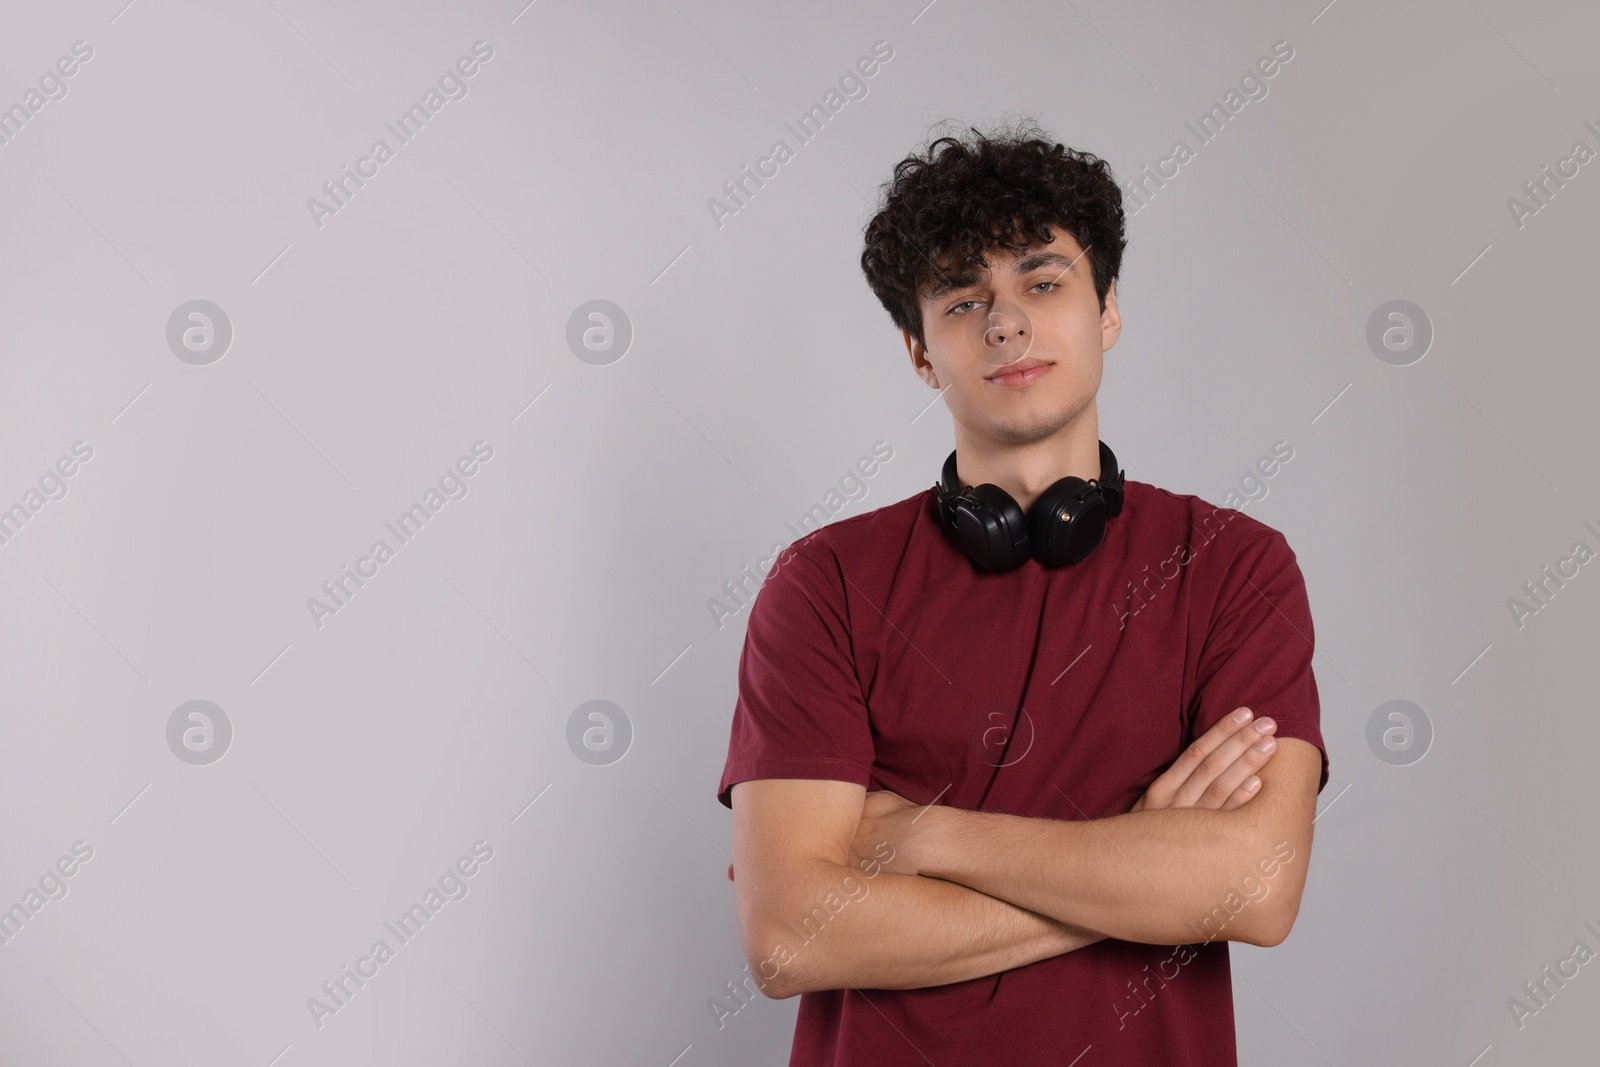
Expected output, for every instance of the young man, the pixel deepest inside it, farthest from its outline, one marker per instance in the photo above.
(992, 798)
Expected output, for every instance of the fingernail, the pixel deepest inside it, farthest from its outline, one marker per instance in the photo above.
(1266, 744)
(1263, 725)
(1241, 716)
(1251, 784)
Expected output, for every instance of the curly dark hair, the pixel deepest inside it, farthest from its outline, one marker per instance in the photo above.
(1006, 189)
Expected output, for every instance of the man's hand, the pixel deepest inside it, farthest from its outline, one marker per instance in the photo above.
(1218, 770)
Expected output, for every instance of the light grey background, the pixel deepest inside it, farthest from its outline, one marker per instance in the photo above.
(369, 353)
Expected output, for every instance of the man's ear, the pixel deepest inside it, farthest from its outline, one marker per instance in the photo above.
(919, 359)
(1110, 319)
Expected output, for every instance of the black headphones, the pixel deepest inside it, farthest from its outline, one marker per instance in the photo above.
(1064, 525)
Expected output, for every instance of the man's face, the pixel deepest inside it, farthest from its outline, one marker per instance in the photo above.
(1017, 347)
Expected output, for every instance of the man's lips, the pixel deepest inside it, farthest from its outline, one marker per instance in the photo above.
(1020, 372)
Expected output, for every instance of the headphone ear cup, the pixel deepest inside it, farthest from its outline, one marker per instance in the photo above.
(1067, 522)
(992, 528)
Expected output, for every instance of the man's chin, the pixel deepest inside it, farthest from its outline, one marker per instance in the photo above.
(1023, 430)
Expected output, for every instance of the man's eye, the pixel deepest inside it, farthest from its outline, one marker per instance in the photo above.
(1052, 285)
(959, 306)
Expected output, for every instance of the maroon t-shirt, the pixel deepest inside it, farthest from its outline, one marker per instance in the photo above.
(876, 653)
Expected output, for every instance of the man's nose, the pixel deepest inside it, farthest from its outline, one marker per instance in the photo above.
(1007, 335)
(1001, 328)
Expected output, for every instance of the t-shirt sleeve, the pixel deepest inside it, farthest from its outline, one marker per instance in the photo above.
(1258, 649)
(800, 712)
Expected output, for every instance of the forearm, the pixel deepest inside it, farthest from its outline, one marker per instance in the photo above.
(897, 931)
(1147, 876)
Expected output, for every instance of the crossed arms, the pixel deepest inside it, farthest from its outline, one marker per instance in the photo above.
(837, 887)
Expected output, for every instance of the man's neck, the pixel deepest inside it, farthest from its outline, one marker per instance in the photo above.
(1026, 470)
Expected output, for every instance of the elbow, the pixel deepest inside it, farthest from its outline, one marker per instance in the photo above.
(773, 979)
(777, 967)
(786, 955)
(1272, 925)
(1272, 885)
(781, 986)
(1265, 936)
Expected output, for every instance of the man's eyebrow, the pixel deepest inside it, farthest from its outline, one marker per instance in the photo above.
(1035, 260)
(942, 286)
(1031, 261)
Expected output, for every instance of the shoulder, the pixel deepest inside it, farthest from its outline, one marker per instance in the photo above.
(1225, 553)
(819, 568)
(1237, 568)
(867, 535)
(1199, 522)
